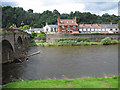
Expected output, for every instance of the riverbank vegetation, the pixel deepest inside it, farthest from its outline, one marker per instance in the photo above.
(75, 42)
(95, 82)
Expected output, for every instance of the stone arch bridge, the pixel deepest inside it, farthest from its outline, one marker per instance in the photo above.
(13, 46)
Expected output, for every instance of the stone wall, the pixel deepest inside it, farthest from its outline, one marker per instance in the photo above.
(94, 38)
(13, 46)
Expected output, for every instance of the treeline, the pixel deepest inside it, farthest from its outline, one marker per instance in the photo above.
(16, 15)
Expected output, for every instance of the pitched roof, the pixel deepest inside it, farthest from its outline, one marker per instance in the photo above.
(67, 22)
(75, 32)
(53, 26)
(110, 25)
(104, 31)
(91, 26)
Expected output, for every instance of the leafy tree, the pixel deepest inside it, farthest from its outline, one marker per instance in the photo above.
(33, 35)
(30, 11)
(21, 28)
(25, 27)
(35, 25)
(119, 24)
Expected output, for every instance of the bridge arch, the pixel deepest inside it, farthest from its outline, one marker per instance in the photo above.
(25, 38)
(19, 40)
(7, 51)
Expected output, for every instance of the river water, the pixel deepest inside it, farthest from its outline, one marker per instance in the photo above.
(64, 62)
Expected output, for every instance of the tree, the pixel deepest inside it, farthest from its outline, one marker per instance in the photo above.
(30, 11)
(25, 27)
(35, 25)
(33, 35)
(15, 15)
(119, 24)
(56, 12)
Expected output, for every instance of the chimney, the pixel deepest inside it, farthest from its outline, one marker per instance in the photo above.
(58, 20)
(75, 19)
(111, 23)
(46, 23)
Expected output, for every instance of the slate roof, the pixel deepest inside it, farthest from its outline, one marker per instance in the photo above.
(37, 29)
(53, 26)
(110, 25)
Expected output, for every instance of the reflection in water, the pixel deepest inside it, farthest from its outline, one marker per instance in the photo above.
(71, 62)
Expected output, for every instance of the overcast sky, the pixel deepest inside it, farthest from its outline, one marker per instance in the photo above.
(98, 7)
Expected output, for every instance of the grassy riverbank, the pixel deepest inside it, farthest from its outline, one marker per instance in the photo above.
(75, 42)
(104, 82)
(65, 44)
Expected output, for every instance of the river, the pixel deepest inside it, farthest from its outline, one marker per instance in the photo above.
(64, 62)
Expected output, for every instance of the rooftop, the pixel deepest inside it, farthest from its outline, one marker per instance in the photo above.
(110, 25)
(91, 26)
(67, 22)
(53, 26)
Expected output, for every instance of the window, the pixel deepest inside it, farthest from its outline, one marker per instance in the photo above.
(63, 31)
(74, 26)
(68, 26)
(55, 29)
(88, 29)
(92, 29)
(51, 29)
(46, 29)
(110, 29)
(63, 27)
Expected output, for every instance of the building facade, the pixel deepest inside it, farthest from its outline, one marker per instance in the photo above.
(112, 28)
(35, 30)
(50, 28)
(67, 25)
(92, 28)
(98, 28)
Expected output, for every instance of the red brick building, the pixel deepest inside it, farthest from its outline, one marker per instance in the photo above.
(67, 25)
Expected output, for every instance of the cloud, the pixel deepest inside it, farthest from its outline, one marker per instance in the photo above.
(12, 3)
(42, 5)
(66, 6)
(102, 7)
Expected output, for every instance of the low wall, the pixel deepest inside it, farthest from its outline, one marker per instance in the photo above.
(93, 38)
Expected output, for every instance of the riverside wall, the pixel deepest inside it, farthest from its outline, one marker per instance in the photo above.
(92, 38)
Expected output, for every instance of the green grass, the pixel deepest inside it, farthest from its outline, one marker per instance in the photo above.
(105, 82)
(65, 44)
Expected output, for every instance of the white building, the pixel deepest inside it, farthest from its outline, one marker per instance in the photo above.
(92, 28)
(98, 28)
(113, 28)
(50, 28)
(35, 30)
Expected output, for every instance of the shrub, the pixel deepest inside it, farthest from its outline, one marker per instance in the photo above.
(33, 35)
(106, 41)
(64, 39)
(117, 39)
(39, 41)
(82, 40)
(114, 41)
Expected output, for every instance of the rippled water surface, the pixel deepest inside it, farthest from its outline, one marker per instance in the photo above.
(60, 62)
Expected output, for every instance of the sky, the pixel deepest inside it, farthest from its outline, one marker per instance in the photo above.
(98, 7)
